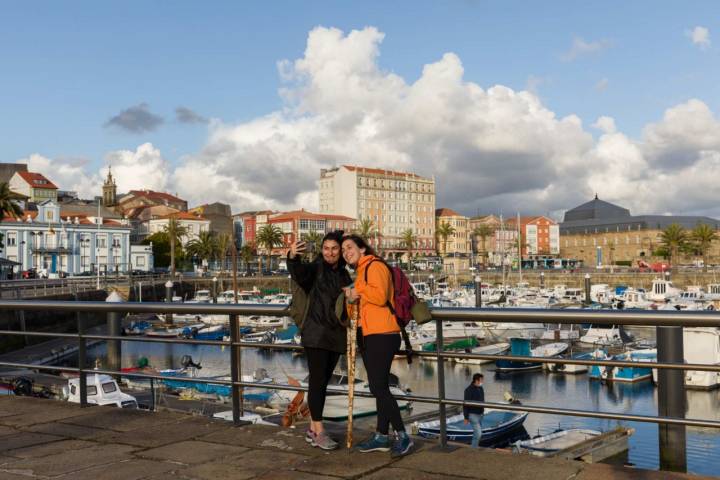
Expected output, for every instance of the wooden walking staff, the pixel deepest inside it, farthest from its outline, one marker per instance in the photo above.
(351, 350)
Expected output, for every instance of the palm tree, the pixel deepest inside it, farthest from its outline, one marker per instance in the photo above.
(366, 228)
(269, 236)
(483, 231)
(8, 205)
(175, 232)
(314, 237)
(673, 238)
(247, 252)
(702, 237)
(223, 242)
(444, 230)
(408, 239)
(204, 246)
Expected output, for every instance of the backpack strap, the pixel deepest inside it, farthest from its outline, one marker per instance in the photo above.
(403, 332)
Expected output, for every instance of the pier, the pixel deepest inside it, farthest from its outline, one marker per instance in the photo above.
(49, 439)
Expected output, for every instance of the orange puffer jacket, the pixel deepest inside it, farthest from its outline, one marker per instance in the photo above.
(375, 316)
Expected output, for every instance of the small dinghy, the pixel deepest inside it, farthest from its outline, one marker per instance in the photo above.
(549, 445)
(521, 348)
(495, 424)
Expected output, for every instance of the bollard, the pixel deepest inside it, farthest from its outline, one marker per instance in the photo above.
(214, 290)
(587, 289)
(478, 292)
(168, 299)
(114, 352)
(671, 399)
(542, 279)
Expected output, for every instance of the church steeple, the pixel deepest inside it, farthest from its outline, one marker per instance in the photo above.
(109, 190)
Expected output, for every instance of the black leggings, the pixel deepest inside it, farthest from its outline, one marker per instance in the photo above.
(321, 364)
(378, 353)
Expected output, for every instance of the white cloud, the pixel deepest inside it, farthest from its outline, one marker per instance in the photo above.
(602, 84)
(699, 36)
(581, 48)
(491, 149)
(66, 174)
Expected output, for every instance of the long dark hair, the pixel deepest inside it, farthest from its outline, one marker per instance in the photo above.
(360, 242)
(333, 236)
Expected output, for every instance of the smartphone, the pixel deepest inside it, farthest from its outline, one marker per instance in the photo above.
(309, 247)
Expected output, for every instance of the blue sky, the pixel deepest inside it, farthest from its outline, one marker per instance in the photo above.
(69, 67)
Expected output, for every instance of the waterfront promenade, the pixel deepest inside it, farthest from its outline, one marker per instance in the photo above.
(50, 439)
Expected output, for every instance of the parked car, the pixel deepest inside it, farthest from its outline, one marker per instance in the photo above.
(30, 273)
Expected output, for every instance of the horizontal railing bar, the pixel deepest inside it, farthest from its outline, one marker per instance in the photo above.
(32, 366)
(415, 398)
(21, 333)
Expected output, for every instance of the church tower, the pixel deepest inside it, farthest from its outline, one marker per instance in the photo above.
(109, 190)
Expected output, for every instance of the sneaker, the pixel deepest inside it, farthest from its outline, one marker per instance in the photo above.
(309, 436)
(377, 443)
(402, 445)
(323, 441)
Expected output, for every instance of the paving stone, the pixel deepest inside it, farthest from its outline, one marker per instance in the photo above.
(49, 448)
(11, 476)
(341, 464)
(6, 430)
(405, 474)
(491, 464)
(192, 452)
(71, 461)
(26, 439)
(121, 420)
(43, 415)
(248, 464)
(67, 430)
(293, 475)
(600, 471)
(163, 434)
(134, 469)
(265, 437)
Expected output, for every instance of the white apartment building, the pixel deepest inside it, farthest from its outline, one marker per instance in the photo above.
(394, 201)
(194, 224)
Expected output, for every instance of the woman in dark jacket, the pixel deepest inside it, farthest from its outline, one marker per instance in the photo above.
(323, 334)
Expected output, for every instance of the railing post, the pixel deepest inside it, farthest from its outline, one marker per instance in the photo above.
(671, 399)
(214, 289)
(81, 358)
(441, 382)
(236, 369)
(114, 347)
(478, 291)
(542, 280)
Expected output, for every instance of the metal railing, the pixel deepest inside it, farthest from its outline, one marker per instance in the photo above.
(644, 318)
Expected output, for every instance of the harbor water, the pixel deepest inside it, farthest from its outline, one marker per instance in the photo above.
(531, 388)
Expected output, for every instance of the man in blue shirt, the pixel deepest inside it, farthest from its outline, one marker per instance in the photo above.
(474, 415)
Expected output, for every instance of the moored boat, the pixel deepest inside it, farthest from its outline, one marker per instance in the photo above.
(551, 444)
(495, 424)
(493, 349)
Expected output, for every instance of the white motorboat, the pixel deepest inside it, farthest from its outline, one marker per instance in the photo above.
(508, 330)
(557, 332)
(493, 349)
(455, 330)
(101, 390)
(663, 290)
(702, 345)
(602, 336)
(549, 445)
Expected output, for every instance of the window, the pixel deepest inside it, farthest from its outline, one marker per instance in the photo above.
(109, 387)
(140, 261)
(11, 240)
(91, 390)
(101, 241)
(116, 241)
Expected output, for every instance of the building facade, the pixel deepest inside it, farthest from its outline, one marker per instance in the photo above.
(600, 233)
(144, 198)
(539, 236)
(51, 242)
(194, 224)
(484, 248)
(220, 216)
(296, 225)
(33, 185)
(141, 257)
(457, 249)
(393, 201)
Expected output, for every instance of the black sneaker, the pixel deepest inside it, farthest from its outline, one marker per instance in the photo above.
(402, 445)
(377, 443)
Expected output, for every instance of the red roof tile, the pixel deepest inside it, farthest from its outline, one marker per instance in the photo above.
(379, 171)
(446, 212)
(153, 195)
(37, 180)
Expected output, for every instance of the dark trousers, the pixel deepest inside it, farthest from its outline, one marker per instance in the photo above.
(377, 354)
(321, 364)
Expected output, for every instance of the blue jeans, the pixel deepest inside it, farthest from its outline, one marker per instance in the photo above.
(476, 422)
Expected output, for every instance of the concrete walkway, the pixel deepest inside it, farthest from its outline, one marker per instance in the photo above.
(51, 439)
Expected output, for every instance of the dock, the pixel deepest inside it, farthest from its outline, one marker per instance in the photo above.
(50, 439)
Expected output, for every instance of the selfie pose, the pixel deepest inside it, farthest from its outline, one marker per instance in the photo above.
(379, 337)
(322, 333)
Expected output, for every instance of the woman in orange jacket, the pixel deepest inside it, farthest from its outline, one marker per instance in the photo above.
(380, 336)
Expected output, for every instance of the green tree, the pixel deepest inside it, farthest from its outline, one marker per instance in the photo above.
(175, 232)
(408, 240)
(443, 231)
(268, 237)
(483, 231)
(702, 237)
(8, 203)
(224, 242)
(160, 247)
(314, 237)
(674, 238)
(247, 252)
(365, 228)
(204, 246)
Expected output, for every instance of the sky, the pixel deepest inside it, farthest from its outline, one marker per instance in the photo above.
(511, 106)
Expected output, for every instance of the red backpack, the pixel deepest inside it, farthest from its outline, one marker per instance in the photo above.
(404, 299)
